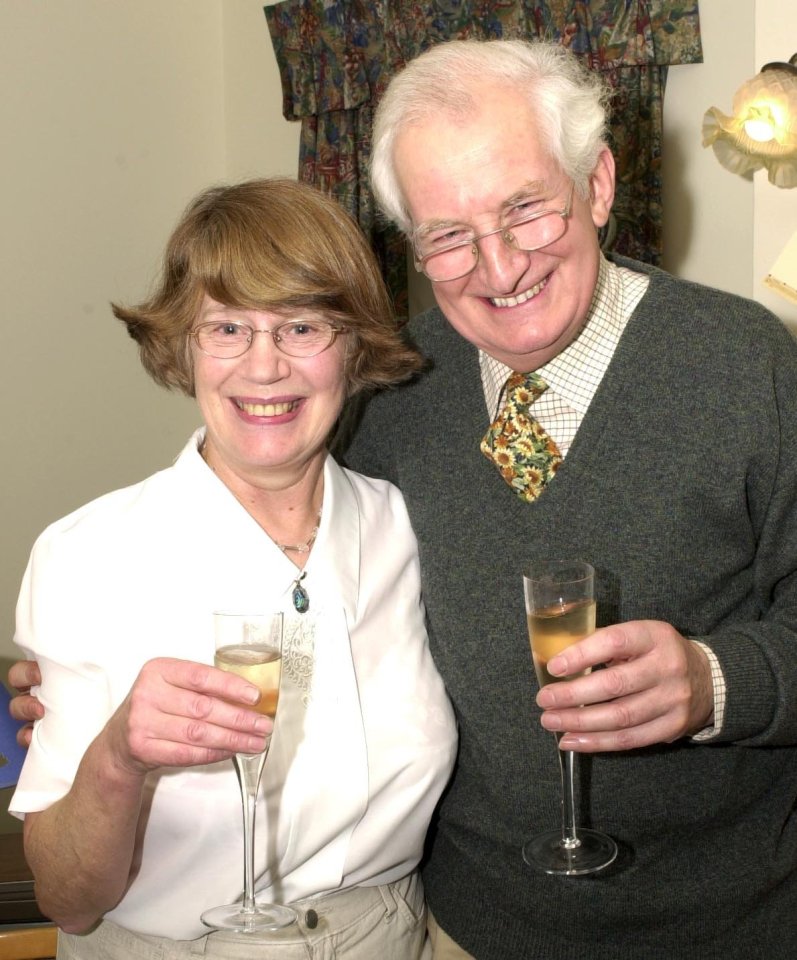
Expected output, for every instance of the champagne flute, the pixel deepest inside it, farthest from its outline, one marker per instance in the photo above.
(560, 609)
(251, 646)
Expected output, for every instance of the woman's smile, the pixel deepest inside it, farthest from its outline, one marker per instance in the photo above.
(273, 409)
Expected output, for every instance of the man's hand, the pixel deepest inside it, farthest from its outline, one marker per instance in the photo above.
(655, 688)
(23, 675)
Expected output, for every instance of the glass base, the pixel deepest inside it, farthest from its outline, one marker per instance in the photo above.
(549, 853)
(265, 916)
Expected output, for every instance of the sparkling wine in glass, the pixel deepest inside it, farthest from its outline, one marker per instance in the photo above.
(251, 646)
(560, 609)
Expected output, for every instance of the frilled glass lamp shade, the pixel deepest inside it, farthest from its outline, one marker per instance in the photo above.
(762, 133)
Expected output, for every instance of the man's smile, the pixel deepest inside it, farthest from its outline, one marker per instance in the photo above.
(521, 297)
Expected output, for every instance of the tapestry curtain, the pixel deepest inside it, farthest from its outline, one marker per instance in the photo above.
(336, 56)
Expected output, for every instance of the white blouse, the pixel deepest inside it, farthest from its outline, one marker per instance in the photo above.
(365, 736)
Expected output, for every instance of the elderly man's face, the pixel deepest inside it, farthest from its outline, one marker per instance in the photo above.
(521, 308)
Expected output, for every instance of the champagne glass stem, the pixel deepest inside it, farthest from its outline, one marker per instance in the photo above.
(566, 769)
(249, 768)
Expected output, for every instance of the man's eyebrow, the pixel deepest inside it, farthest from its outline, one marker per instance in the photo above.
(532, 188)
(429, 225)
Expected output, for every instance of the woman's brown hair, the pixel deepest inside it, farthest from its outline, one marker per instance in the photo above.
(276, 245)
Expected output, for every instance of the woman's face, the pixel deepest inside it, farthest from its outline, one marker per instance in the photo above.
(267, 415)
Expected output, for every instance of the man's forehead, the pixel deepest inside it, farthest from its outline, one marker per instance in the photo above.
(539, 187)
(460, 169)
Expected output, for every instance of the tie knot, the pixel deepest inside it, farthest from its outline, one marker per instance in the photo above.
(522, 389)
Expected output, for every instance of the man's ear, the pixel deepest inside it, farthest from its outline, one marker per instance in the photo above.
(601, 188)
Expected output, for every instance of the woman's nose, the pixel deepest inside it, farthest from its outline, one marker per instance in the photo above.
(264, 359)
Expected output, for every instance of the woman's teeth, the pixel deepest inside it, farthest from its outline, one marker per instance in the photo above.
(265, 409)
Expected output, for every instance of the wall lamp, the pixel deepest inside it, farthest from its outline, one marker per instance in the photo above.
(762, 132)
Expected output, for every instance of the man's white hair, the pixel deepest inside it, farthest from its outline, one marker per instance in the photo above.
(569, 104)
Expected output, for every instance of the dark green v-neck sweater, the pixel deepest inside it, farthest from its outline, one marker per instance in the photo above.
(681, 489)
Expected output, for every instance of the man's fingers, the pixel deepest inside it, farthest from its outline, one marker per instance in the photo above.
(608, 644)
(632, 738)
(23, 675)
(26, 708)
(632, 711)
(25, 735)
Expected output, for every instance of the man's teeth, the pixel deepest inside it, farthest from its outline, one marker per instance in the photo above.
(265, 409)
(520, 298)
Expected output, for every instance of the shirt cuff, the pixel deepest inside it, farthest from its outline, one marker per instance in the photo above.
(718, 682)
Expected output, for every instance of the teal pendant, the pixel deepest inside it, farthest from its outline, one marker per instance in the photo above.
(300, 597)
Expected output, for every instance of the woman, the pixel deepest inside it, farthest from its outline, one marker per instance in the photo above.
(270, 312)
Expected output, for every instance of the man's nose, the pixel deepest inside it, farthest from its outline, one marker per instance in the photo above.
(500, 261)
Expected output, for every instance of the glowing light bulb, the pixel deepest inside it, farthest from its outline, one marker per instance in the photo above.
(762, 131)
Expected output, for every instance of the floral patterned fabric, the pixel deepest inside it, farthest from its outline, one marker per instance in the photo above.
(336, 57)
(526, 457)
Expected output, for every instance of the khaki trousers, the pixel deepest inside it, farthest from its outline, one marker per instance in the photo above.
(386, 922)
(443, 947)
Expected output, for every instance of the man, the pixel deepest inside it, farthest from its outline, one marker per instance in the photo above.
(673, 412)
(673, 409)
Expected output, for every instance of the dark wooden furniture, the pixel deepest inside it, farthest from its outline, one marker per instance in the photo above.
(17, 903)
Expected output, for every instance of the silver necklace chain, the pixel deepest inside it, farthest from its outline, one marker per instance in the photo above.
(302, 547)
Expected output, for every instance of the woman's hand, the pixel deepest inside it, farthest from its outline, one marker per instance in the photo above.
(23, 675)
(180, 714)
(177, 714)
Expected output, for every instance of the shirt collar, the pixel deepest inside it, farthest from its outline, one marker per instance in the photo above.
(575, 373)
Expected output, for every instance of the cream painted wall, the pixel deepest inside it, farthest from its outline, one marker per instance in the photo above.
(707, 210)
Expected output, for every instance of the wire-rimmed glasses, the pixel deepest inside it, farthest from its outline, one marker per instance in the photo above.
(226, 339)
(451, 251)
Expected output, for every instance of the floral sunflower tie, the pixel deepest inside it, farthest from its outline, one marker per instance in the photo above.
(526, 457)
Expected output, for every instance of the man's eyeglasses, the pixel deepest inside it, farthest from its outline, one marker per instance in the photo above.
(224, 339)
(453, 251)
